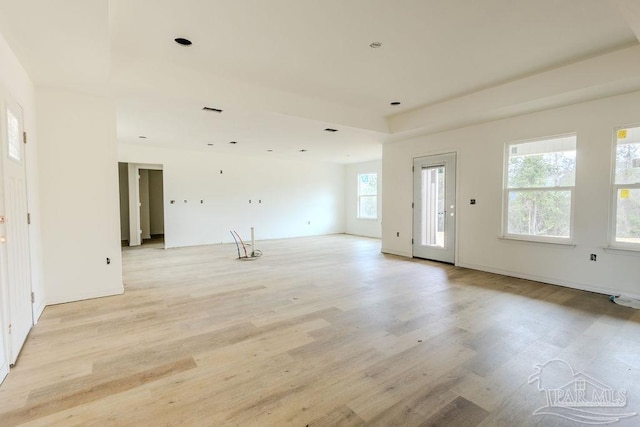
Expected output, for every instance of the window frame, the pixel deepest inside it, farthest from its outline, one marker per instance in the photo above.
(505, 195)
(360, 196)
(19, 157)
(613, 203)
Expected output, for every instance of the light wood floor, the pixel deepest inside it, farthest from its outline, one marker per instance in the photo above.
(320, 331)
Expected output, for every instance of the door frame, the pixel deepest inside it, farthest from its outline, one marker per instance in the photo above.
(14, 331)
(416, 209)
(5, 350)
(135, 231)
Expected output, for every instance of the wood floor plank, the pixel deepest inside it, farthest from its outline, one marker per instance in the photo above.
(459, 412)
(320, 331)
(65, 395)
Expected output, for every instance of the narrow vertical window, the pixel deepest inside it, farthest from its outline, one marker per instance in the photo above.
(626, 188)
(368, 195)
(14, 138)
(539, 183)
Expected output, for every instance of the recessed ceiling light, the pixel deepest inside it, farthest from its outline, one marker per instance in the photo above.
(395, 103)
(182, 41)
(331, 130)
(213, 110)
(233, 142)
(375, 45)
(303, 151)
(142, 137)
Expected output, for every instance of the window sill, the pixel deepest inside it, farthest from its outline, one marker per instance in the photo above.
(566, 243)
(622, 250)
(367, 219)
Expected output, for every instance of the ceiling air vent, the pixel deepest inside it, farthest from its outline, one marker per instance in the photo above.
(182, 41)
(215, 110)
(331, 130)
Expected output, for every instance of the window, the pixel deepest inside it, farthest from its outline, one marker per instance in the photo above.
(368, 195)
(538, 195)
(14, 140)
(626, 185)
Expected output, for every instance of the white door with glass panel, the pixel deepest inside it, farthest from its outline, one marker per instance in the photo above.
(14, 240)
(434, 195)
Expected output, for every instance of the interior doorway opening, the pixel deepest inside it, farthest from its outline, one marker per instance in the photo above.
(141, 204)
(151, 209)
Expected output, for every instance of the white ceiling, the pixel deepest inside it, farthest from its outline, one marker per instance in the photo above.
(284, 70)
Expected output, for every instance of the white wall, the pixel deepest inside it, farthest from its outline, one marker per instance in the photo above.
(480, 165)
(79, 188)
(355, 225)
(123, 181)
(297, 198)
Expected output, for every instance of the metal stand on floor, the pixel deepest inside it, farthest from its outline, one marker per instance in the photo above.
(254, 254)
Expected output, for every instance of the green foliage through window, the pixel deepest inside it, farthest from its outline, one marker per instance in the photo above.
(627, 186)
(368, 195)
(540, 180)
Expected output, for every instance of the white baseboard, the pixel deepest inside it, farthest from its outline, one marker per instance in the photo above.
(95, 293)
(37, 311)
(399, 253)
(544, 279)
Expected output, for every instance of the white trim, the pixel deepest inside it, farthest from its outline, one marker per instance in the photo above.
(37, 311)
(398, 253)
(544, 280)
(80, 296)
(519, 238)
(4, 371)
(622, 250)
(134, 205)
(149, 166)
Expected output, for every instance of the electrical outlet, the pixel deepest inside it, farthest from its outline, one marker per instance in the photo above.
(592, 257)
(397, 234)
(108, 261)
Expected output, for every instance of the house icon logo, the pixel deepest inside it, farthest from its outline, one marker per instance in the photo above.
(577, 396)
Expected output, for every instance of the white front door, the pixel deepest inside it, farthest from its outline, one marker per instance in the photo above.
(4, 305)
(434, 195)
(15, 230)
